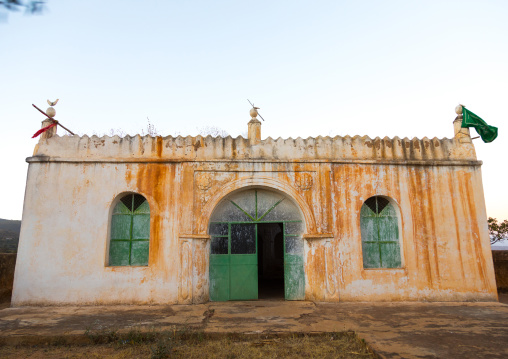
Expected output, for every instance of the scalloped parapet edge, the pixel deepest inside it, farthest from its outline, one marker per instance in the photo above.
(203, 148)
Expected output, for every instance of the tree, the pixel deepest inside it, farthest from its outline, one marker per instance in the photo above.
(150, 129)
(497, 231)
(212, 131)
(31, 7)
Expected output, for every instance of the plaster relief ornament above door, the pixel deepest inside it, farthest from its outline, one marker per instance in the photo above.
(203, 181)
(303, 181)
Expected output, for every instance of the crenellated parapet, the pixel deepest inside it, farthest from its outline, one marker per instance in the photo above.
(199, 148)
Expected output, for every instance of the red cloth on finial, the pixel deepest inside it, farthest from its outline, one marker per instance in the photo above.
(42, 130)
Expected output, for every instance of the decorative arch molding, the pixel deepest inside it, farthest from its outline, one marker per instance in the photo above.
(250, 182)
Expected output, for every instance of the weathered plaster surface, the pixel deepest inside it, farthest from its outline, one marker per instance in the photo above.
(73, 183)
(217, 148)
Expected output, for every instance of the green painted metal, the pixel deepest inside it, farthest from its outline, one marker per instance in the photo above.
(247, 214)
(294, 275)
(380, 234)
(130, 232)
(243, 261)
(271, 209)
(219, 277)
(243, 277)
(234, 267)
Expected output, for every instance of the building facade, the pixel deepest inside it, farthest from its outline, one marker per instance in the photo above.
(191, 219)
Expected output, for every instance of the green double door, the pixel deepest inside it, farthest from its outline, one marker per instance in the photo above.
(234, 261)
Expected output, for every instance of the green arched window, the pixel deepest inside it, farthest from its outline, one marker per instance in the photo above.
(130, 232)
(380, 234)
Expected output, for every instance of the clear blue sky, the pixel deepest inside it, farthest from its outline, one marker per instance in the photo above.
(377, 68)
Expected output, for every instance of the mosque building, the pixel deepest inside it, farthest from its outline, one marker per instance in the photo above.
(137, 219)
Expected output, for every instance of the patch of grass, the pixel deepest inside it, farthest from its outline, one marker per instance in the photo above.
(191, 344)
(137, 337)
(59, 341)
(101, 335)
(163, 348)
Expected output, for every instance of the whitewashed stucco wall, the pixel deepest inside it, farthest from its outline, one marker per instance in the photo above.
(63, 250)
(73, 182)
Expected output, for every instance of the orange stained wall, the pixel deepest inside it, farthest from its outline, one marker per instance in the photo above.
(73, 183)
(443, 232)
(442, 222)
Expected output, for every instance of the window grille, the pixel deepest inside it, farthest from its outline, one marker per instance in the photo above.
(380, 234)
(130, 232)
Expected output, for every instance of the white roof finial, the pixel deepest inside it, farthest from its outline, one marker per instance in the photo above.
(254, 111)
(51, 111)
(458, 109)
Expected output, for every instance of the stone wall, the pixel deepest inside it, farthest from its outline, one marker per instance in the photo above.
(7, 264)
(501, 270)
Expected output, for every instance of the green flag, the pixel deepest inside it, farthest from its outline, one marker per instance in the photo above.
(486, 132)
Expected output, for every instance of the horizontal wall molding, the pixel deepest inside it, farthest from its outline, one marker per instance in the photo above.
(36, 159)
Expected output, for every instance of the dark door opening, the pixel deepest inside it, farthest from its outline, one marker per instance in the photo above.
(270, 261)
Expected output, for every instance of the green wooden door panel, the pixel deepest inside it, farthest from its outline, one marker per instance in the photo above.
(244, 277)
(294, 274)
(294, 277)
(219, 259)
(219, 262)
(243, 262)
(234, 273)
(219, 277)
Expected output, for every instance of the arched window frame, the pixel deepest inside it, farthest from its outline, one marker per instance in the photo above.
(389, 246)
(129, 231)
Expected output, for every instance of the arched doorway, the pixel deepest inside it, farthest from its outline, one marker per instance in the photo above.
(256, 247)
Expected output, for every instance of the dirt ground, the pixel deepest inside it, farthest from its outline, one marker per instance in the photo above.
(503, 298)
(452, 330)
(197, 345)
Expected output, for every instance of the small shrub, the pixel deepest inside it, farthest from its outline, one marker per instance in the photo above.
(135, 336)
(162, 349)
(102, 335)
